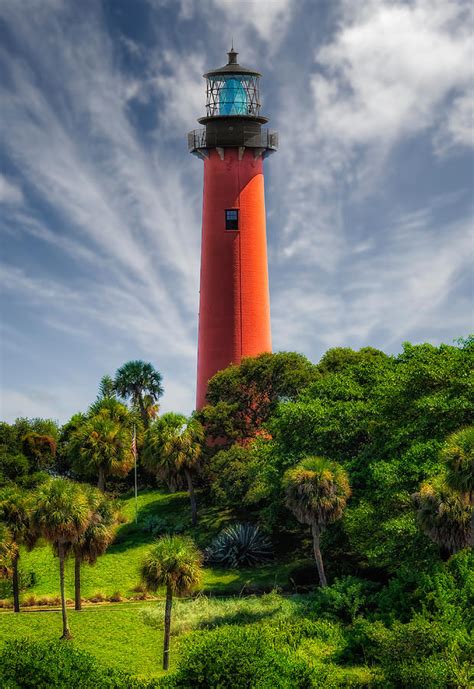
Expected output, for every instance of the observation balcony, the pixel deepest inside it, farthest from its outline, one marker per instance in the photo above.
(233, 134)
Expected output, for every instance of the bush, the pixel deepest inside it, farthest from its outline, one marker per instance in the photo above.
(157, 526)
(347, 598)
(240, 545)
(230, 476)
(419, 654)
(57, 665)
(237, 658)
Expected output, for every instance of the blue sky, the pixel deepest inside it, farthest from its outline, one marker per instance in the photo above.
(369, 199)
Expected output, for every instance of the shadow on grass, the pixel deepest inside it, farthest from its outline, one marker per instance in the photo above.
(172, 511)
(236, 618)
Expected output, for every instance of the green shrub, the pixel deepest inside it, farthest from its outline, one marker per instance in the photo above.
(26, 664)
(240, 545)
(420, 654)
(347, 598)
(238, 658)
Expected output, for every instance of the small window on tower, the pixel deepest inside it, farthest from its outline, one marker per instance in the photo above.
(232, 219)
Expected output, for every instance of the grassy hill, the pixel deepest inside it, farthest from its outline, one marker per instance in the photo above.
(118, 570)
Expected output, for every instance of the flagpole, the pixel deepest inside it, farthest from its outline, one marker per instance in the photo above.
(135, 471)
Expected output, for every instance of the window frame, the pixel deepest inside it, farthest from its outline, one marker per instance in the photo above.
(231, 224)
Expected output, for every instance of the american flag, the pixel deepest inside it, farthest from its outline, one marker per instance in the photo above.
(134, 443)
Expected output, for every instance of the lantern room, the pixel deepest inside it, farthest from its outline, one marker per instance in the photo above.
(233, 90)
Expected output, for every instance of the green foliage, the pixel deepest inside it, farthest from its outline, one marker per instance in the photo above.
(229, 473)
(142, 384)
(444, 515)
(240, 545)
(174, 562)
(172, 445)
(345, 600)
(8, 552)
(26, 446)
(27, 664)
(458, 456)
(238, 658)
(241, 398)
(106, 388)
(61, 513)
(316, 490)
(421, 653)
(101, 445)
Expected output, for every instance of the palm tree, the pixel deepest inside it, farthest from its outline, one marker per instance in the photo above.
(173, 446)
(15, 515)
(135, 380)
(62, 515)
(444, 516)
(103, 444)
(317, 490)
(106, 388)
(175, 563)
(458, 455)
(96, 538)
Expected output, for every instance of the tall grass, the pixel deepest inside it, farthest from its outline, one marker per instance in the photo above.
(207, 612)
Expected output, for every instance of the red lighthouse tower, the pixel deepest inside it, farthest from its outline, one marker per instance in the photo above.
(234, 310)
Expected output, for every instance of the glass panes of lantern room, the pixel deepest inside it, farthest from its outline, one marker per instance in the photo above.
(232, 94)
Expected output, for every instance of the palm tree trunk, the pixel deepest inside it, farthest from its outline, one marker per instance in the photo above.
(145, 419)
(316, 531)
(16, 584)
(101, 480)
(166, 648)
(66, 631)
(192, 497)
(77, 582)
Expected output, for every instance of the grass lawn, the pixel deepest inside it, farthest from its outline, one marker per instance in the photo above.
(115, 634)
(118, 636)
(117, 570)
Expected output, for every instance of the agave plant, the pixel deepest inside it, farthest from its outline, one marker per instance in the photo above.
(240, 545)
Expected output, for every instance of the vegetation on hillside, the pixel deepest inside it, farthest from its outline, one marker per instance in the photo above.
(374, 452)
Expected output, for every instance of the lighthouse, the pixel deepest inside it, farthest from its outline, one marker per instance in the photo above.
(234, 304)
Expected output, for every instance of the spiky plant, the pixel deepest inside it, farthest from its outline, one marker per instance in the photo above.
(458, 455)
(444, 516)
(240, 545)
(317, 490)
(137, 380)
(175, 563)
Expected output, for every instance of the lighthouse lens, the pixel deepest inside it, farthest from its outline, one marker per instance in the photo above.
(232, 94)
(233, 98)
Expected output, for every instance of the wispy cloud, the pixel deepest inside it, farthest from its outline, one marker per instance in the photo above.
(101, 204)
(10, 193)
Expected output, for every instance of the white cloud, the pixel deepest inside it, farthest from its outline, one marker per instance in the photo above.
(389, 67)
(268, 18)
